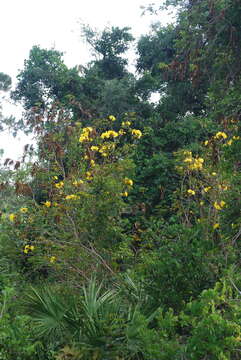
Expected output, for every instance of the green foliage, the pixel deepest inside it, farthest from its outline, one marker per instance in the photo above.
(5, 82)
(16, 340)
(99, 323)
(118, 243)
(109, 44)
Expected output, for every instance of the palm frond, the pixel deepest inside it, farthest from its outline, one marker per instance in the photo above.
(47, 311)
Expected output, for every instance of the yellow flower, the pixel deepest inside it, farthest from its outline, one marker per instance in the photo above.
(71, 197)
(128, 181)
(220, 135)
(78, 182)
(47, 204)
(104, 149)
(125, 193)
(214, 173)
(28, 248)
(94, 148)
(194, 163)
(191, 192)
(188, 159)
(89, 175)
(216, 226)
(206, 189)
(108, 134)
(112, 118)
(59, 185)
(197, 164)
(126, 123)
(24, 210)
(217, 206)
(121, 132)
(206, 142)
(85, 135)
(229, 143)
(92, 163)
(236, 137)
(52, 259)
(136, 133)
(220, 205)
(12, 217)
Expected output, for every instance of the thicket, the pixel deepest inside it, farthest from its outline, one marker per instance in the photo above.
(121, 229)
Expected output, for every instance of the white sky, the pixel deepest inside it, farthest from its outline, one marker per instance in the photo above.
(55, 23)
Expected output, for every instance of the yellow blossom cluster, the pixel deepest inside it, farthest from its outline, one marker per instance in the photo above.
(220, 135)
(125, 194)
(190, 192)
(28, 248)
(126, 123)
(24, 210)
(136, 133)
(88, 176)
(103, 150)
(59, 185)
(128, 182)
(12, 217)
(47, 204)
(71, 197)
(109, 134)
(234, 138)
(121, 132)
(207, 188)
(85, 135)
(219, 205)
(77, 182)
(112, 117)
(193, 163)
(216, 226)
(52, 259)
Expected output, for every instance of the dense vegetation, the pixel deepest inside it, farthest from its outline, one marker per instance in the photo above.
(121, 229)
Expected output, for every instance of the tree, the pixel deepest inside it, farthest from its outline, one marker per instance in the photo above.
(109, 45)
(5, 82)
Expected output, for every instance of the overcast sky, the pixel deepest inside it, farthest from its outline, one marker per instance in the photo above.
(56, 23)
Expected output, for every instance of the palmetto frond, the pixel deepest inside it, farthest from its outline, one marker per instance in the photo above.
(50, 314)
